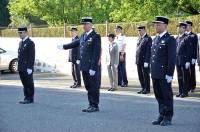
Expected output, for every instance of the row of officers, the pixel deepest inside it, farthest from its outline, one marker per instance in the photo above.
(157, 57)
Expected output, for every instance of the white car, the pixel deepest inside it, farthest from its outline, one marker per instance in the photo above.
(8, 60)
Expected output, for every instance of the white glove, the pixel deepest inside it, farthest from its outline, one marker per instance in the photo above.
(193, 61)
(60, 47)
(29, 71)
(78, 62)
(92, 73)
(169, 78)
(115, 65)
(187, 65)
(146, 65)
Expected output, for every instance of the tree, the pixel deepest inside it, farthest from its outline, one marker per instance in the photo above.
(4, 13)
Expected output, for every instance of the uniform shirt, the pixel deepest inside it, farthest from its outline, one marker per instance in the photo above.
(120, 40)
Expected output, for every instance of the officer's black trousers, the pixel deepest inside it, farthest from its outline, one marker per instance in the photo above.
(76, 73)
(92, 87)
(28, 84)
(183, 79)
(122, 76)
(192, 82)
(144, 78)
(164, 96)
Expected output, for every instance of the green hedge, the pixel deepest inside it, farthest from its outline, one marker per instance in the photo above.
(129, 28)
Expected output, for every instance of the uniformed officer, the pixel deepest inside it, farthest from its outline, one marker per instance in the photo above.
(120, 40)
(183, 59)
(194, 47)
(90, 50)
(163, 52)
(74, 58)
(143, 54)
(26, 60)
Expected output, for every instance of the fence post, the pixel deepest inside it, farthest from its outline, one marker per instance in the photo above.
(65, 26)
(31, 30)
(106, 28)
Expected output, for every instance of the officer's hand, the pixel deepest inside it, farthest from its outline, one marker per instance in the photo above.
(29, 71)
(92, 72)
(115, 65)
(60, 47)
(187, 65)
(168, 78)
(193, 61)
(146, 65)
(78, 62)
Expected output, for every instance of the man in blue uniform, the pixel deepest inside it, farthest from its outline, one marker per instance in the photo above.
(163, 54)
(90, 50)
(183, 59)
(194, 47)
(26, 60)
(143, 54)
(74, 58)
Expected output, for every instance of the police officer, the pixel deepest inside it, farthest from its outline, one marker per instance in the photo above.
(120, 40)
(194, 47)
(26, 60)
(163, 52)
(183, 59)
(143, 54)
(74, 58)
(90, 50)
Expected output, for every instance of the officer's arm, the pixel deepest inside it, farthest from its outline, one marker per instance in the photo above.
(116, 55)
(96, 52)
(195, 46)
(189, 49)
(71, 45)
(171, 45)
(31, 55)
(148, 50)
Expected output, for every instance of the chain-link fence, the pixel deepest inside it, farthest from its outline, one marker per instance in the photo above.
(129, 29)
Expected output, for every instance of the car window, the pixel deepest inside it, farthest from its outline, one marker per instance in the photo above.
(2, 51)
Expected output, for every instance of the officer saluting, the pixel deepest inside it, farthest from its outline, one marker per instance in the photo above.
(183, 59)
(194, 47)
(90, 50)
(26, 59)
(163, 52)
(74, 58)
(143, 54)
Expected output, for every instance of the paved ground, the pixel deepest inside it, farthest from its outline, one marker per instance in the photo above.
(57, 108)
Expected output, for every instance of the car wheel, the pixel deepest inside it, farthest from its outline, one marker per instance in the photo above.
(14, 66)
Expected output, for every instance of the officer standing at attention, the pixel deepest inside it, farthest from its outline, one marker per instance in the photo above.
(194, 47)
(120, 40)
(143, 54)
(26, 60)
(183, 59)
(163, 52)
(90, 50)
(74, 57)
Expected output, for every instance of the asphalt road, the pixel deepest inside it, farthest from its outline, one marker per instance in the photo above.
(57, 108)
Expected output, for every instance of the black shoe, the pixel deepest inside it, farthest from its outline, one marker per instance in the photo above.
(76, 86)
(178, 95)
(192, 91)
(109, 89)
(26, 102)
(140, 92)
(113, 89)
(145, 92)
(183, 95)
(72, 86)
(165, 122)
(91, 109)
(158, 121)
(124, 85)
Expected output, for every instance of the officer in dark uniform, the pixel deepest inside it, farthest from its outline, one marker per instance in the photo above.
(163, 54)
(90, 50)
(74, 58)
(183, 59)
(143, 54)
(194, 47)
(26, 60)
